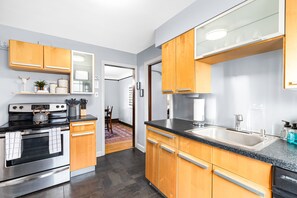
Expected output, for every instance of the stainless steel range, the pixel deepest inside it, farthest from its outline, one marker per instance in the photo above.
(36, 165)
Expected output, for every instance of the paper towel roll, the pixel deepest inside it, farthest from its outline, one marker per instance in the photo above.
(199, 110)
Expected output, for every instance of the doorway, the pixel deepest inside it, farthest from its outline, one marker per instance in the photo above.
(119, 108)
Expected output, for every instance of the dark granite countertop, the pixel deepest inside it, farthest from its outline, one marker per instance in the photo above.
(82, 118)
(279, 153)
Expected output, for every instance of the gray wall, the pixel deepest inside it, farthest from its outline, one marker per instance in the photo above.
(112, 97)
(197, 13)
(9, 82)
(126, 114)
(252, 86)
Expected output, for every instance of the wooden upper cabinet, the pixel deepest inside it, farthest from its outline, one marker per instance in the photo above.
(168, 67)
(290, 47)
(185, 64)
(25, 56)
(57, 59)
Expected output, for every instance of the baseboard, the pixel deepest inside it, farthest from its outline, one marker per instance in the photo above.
(140, 147)
(124, 123)
(99, 154)
(115, 120)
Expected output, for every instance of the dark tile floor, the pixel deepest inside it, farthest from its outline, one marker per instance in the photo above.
(117, 175)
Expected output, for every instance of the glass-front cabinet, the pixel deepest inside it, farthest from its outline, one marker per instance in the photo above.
(82, 75)
(250, 22)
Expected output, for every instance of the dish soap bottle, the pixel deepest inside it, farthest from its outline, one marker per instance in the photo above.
(285, 130)
(292, 135)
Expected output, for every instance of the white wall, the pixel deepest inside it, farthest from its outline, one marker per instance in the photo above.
(126, 111)
(112, 97)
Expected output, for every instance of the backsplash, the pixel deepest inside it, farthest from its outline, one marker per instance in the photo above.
(251, 86)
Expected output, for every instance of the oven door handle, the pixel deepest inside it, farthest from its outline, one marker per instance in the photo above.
(32, 177)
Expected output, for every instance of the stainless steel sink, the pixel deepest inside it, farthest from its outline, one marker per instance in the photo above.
(251, 141)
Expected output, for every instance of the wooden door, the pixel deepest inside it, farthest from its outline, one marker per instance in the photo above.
(194, 177)
(25, 56)
(290, 47)
(168, 67)
(57, 59)
(185, 65)
(226, 184)
(151, 161)
(167, 170)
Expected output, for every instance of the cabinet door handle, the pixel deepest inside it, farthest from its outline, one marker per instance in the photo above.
(160, 133)
(184, 89)
(168, 91)
(293, 83)
(165, 148)
(82, 134)
(56, 67)
(192, 161)
(289, 179)
(238, 183)
(152, 141)
(82, 124)
(26, 64)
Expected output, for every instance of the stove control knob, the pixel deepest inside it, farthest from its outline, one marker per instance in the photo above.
(57, 106)
(62, 106)
(14, 107)
(21, 107)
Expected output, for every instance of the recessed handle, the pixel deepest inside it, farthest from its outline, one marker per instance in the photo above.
(56, 67)
(160, 133)
(203, 166)
(152, 141)
(169, 150)
(25, 64)
(82, 124)
(183, 89)
(82, 134)
(167, 91)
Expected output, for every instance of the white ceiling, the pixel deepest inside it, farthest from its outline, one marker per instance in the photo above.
(126, 25)
(117, 73)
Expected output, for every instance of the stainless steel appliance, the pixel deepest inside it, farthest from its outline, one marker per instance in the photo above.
(37, 168)
(284, 183)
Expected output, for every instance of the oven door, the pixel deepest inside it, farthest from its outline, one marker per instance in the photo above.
(35, 155)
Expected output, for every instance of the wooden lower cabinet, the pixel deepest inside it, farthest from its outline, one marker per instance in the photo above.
(151, 162)
(194, 177)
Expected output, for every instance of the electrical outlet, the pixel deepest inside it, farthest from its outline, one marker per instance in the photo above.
(96, 94)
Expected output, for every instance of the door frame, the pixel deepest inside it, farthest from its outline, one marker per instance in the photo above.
(134, 111)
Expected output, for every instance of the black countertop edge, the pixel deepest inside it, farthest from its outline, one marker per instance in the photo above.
(88, 117)
(265, 155)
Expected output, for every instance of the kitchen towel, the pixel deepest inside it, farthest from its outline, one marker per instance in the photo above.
(55, 140)
(13, 145)
(199, 110)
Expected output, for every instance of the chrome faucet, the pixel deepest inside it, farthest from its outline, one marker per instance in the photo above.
(238, 120)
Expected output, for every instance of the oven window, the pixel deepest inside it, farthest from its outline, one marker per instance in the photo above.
(34, 148)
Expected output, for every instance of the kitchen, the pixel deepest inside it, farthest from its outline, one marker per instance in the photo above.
(250, 75)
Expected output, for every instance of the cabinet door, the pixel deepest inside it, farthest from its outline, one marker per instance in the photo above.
(57, 59)
(185, 65)
(82, 150)
(226, 184)
(167, 170)
(194, 177)
(25, 56)
(151, 161)
(168, 67)
(290, 60)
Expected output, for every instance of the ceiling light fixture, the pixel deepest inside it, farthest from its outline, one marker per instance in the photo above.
(78, 58)
(216, 34)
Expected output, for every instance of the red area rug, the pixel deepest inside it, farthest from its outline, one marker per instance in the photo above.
(120, 133)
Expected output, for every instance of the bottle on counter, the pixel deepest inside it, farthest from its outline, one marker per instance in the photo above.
(285, 130)
(292, 134)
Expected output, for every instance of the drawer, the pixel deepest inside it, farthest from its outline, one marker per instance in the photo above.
(251, 169)
(196, 149)
(285, 180)
(82, 126)
(163, 136)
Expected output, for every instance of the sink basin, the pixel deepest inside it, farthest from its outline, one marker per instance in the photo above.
(243, 140)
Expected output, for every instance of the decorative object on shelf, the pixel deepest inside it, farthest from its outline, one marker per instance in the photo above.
(40, 85)
(138, 85)
(83, 107)
(141, 93)
(61, 90)
(53, 87)
(63, 83)
(72, 103)
(24, 82)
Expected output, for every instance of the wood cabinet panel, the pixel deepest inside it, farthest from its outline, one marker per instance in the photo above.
(168, 67)
(57, 59)
(185, 66)
(25, 56)
(82, 126)
(151, 161)
(251, 169)
(193, 180)
(202, 77)
(226, 184)
(196, 149)
(163, 136)
(167, 170)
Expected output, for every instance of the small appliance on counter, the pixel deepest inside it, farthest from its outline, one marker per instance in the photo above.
(72, 103)
(83, 107)
(292, 134)
(285, 130)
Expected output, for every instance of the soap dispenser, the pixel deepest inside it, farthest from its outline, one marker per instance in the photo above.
(292, 135)
(285, 130)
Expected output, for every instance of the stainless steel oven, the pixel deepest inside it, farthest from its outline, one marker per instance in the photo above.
(36, 168)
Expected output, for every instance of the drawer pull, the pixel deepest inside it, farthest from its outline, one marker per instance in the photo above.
(81, 134)
(168, 91)
(193, 161)
(184, 89)
(238, 183)
(82, 124)
(165, 148)
(152, 141)
(26, 64)
(293, 83)
(290, 179)
(56, 67)
(160, 133)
